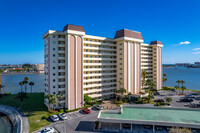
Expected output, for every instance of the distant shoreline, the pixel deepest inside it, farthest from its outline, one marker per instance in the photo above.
(19, 73)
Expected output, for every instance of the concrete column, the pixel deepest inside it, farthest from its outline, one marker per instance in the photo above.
(131, 127)
(120, 128)
(153, 128)
(99, 125)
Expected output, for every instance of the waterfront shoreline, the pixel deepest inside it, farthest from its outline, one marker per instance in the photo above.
(19, 73)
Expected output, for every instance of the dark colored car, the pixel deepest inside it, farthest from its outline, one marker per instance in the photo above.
(158, 128)
(186, 100)
(86, 110)
(194, 94)
(126, 125)
(156, 93)
(148, 126)
(174, 90)
(159, 100)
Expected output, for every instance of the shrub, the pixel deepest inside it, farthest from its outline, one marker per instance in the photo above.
(68, 111)
(61, 110)
(118, 102)
(168, 104)
(45, 116)
(6, 93)
(168, 99)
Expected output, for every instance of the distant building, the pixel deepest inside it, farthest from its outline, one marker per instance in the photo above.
(40, 68)
(197, 63)
(182, 64)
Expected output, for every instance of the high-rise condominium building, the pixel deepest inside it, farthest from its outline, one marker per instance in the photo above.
(78, 64)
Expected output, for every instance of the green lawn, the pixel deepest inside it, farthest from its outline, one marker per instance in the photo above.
(34, 108)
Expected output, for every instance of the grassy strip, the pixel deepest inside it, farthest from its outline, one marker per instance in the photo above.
(33, 107)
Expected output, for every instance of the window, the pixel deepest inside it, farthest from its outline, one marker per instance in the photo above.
(54, 67)
(54, 61)
(54, 42)
(54, 74)
(54, 48)
(54, 36)
(54, 80)
(54, 55)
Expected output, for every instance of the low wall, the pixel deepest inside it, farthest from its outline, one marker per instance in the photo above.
(20, 123)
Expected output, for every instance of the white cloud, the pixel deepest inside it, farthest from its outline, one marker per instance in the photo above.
(196, 49)
(196, 52)
(184, 43)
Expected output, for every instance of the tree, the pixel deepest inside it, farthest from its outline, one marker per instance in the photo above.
(182, 82)
(183, 88)
(21, 84)
(116, 92)
(26, 82)
(144, 76)
(21, 96)
(164, 79)
(31, 84)
(87, 99)
(178, 81)
(51, 100)
(168, 99)
(150, 85)
(122, 91)
(176, 87)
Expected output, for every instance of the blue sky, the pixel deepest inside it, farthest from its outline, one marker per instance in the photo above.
(176, 23)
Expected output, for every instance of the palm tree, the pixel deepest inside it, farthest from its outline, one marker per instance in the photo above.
(122, 91)
(21, 96)
(51, 100)
(176, 87)
(26, 82)
(21, 84)
(116, 92)
(31, 84)
(144, 76)
(183, 88)
(178, 81)
(150, 85)
(182, 82)
(164, 78)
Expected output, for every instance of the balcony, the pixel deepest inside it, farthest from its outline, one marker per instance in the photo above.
(61, 70)
(100, 84)
(98, 69)
(98, 53)
(98, 79)
(98, 64)
(61, 45)
(97, 48)
(61, 39)
(98, 74)
(61, 64)
(61, 83)
(61, 58)
(61, 76)
(99, 43)
(98, 90)
(101, 59)
(61, 51)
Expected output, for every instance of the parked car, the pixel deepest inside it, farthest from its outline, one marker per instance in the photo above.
(195, 94)
(54, 118)
(126, 125)
(63, 116)
(99, 107)
(48, 130)
(186, 100)
(195, 105)
(197, 98)
(167, 128)
(159, 100)
(86, 110)
(189, 96)
(148, 126)
(156, 93)
(158, 128)
(174, 90)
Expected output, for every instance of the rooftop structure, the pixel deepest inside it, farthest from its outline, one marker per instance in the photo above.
(178, 117)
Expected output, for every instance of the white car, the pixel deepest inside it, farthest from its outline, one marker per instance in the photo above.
(54, 118)
(48, 130)
(99, 107)
(63, 116)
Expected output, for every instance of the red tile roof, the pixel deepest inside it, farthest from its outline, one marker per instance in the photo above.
(128, 33)
(74, 27)
(156, 42)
